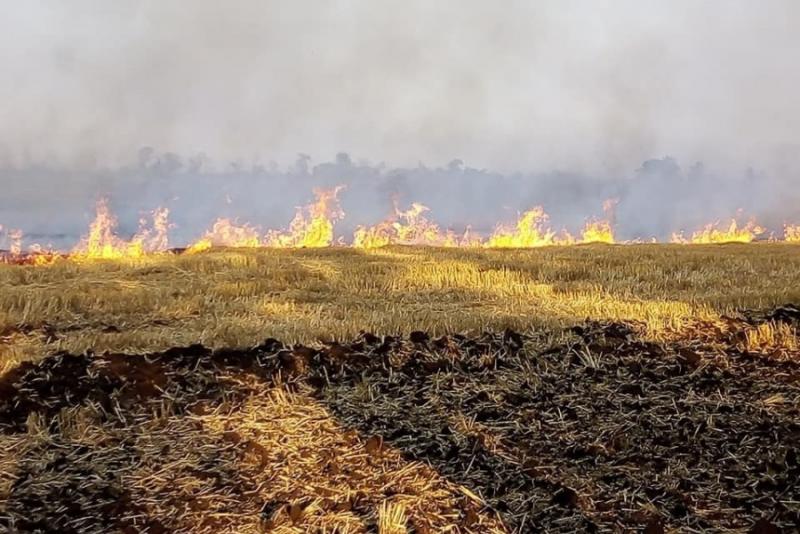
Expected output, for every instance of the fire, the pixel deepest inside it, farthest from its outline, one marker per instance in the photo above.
(530, 231)
(102, 242)
(716, 233)
(15, 242)
(601, 230)
(791, 233)
(36, 254)
(373, 236)
(39, 256)
(227, 233)
(597, 232)
(470, 239)
(409, 227)
(157, 238)
(417, 229)
(312, 226)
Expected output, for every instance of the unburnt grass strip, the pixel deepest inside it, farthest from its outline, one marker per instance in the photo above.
(495, 433)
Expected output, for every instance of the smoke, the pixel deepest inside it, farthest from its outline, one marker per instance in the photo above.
(654, 200)
(561, 101)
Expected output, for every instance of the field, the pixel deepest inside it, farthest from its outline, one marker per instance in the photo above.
(239, 297)
(404, 389)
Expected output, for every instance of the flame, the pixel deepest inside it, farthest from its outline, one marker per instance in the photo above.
(15, 242)
(530, 231)
(601, 230)
(409, 227)
(102, 241)
(468, 239)
(39, 256)
(155, 239)
(312, 226)
(791, 233)
(35, 255)
(227, 233)
(598, 232)
(715, 233)
(201, 245)
(376, 236)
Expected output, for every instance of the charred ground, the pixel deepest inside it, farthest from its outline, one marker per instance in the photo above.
(495, 432)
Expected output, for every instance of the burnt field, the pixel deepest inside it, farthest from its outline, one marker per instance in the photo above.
(643, 388)
(491, 433)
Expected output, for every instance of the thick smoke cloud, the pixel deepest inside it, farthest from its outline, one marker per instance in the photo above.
(684, 110)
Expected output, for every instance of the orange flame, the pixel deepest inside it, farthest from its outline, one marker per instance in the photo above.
(36, 255)
(15, 242)
(102, 241)
(601, 231)
(409, 227)
(791, 233)
(312, 226)
(597, 232)
(227, 233)
(530, 231)
(155, 239)
(715, 233)
(39, 256)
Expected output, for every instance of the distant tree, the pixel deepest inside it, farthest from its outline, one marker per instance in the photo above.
(302, 163)
(455, 165)
(343, 159)
(170, 162)
(195, 163)
(146, 157)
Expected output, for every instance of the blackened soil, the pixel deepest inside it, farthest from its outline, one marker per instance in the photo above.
(603, 432)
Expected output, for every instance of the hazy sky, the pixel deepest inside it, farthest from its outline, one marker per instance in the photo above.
(529, 85)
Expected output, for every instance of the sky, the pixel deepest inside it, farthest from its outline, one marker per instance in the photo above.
(518, 85)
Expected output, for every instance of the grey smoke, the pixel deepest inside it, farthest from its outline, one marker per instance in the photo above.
(659, 197)
(560, 103)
